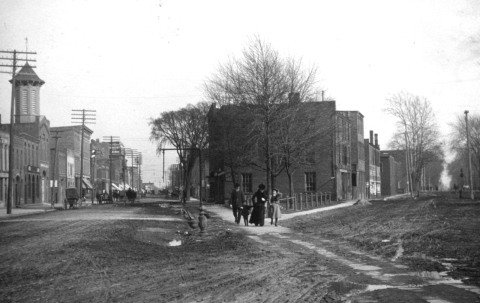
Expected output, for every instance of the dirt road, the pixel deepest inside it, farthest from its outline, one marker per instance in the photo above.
(147, 253)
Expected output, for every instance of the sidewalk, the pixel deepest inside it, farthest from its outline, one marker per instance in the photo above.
(30, 209)
(26, 210)
(226, 214)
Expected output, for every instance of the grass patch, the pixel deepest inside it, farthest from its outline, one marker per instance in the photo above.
(437, 227)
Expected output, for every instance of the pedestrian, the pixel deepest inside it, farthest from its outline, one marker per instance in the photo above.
(129, 195)
(236, 202)
(246, 211)
(259, 200)
(274, 207)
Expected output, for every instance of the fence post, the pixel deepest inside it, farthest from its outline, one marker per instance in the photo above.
(329, 198)
(316, 199)
(294, 201)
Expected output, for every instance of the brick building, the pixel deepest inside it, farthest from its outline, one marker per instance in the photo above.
(31, 137)
(401, 180)
(372, 167)
(330, 170)
(4, 150)
(388, 170)
(68, 163)
(106, 161)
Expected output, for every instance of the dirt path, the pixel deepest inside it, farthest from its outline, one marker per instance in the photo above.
(354, 275)
(111, 253)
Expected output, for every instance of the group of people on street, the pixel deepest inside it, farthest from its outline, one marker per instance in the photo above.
(260, 201)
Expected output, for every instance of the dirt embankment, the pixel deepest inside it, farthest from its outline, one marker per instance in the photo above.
(420, 232)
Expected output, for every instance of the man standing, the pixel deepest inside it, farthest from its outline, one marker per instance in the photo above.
(236, 202)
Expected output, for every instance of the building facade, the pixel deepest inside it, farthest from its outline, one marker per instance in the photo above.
(66, 146)
(329, 169)
(31, 136)
(4, 150)
(388, 169)
(372, 168)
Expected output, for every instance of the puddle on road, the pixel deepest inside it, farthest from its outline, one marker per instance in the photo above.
(259, 240)
(363, 267)
(175, 243)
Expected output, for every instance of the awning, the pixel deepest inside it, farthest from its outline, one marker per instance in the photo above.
(115, 187)
(87, 184)
(121, 186)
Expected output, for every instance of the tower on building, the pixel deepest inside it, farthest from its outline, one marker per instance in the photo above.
(27, 95)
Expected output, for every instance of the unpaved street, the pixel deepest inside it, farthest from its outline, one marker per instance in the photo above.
(110, 253)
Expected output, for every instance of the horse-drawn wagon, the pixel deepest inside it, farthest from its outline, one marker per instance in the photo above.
(71, 198)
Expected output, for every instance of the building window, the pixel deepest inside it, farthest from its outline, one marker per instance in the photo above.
(310, 181)
(25, 101)
(247, 183)
(34, 101)
(345, 154)
(381, 167)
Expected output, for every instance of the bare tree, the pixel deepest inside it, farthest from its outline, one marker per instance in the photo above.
(186, 130)
(228, 142)
(263, 80)
(417, 132)
(458, 144)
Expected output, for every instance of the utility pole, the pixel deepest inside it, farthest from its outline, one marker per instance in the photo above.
(469, 157)
(133, 153)
(95, 153)
(138, 159)
(14, 60)
(85, 117)
(113, 141)
(409, 183)
(54, 194)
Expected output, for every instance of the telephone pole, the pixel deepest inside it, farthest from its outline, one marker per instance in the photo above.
(83, 116)
(133, 153)
(14, 59)
(113, 141)
(469, 157)
(139, 162)
(54, 194)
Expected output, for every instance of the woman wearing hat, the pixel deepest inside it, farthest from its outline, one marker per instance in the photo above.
(259, 199)
(274, 207)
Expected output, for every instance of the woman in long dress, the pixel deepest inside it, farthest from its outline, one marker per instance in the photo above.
(274, 207)
(259, 200)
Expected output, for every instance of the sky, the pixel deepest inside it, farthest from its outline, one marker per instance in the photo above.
(131, 60)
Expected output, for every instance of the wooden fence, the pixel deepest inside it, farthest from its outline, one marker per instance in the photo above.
(302, 200)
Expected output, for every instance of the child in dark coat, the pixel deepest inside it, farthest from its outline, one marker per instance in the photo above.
(246, 211)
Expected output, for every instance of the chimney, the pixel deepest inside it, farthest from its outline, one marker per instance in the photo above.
(376, 141)
(371, 137)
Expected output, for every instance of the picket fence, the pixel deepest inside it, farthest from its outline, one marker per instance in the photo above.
(301, 201)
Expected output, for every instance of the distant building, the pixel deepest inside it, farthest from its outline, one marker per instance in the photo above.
(108, 165)
(401, 180)
(388, 170)
(357, 151)
(372, 167)
(68, 148)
